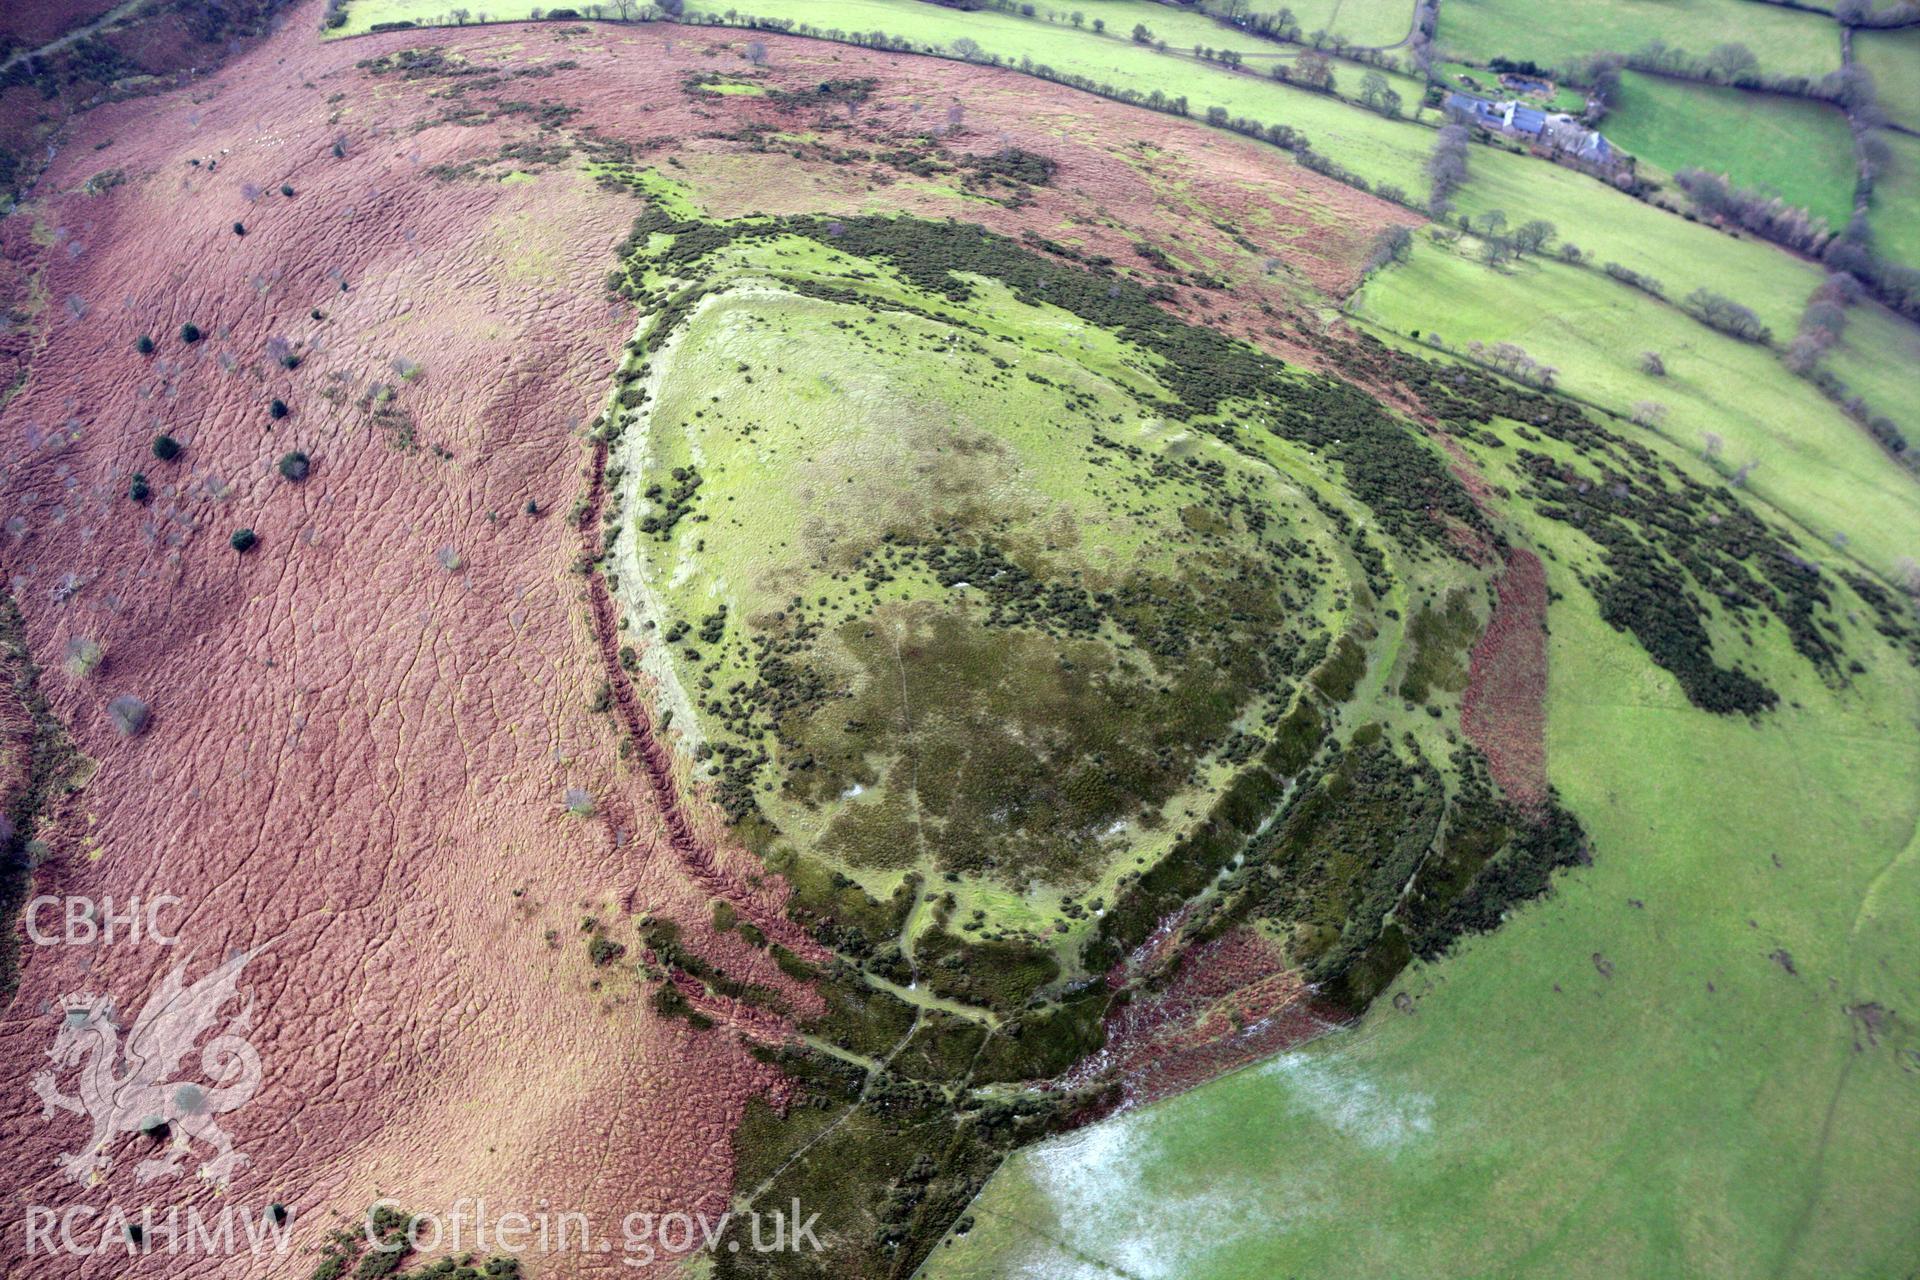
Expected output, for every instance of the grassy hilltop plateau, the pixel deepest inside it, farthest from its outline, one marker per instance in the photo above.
(1201, 641)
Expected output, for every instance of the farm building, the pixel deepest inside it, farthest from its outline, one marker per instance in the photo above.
(1578, 141)
(1505, 117)
(1559, 132)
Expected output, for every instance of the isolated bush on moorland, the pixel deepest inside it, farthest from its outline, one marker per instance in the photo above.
(83, 657)
(128, 714)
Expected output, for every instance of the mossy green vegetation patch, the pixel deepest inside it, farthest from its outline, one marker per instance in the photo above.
(943, 588)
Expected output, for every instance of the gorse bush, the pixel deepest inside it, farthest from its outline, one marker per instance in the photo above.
(294, 466)
(243, 540)
(166, 448)
(83, 657)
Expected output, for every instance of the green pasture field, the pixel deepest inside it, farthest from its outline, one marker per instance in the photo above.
(1895, 212)
(1378, 23)
(1613, 227)
(1813, 463)
(1662, 1070)
(1786, 41)
(364, 15)
(1184, 28)
(1893, 58)
(1481, 81)
(1795, 148)
(1369, 24)
(1878, 357)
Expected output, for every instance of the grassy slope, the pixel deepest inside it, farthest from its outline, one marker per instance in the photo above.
(1700, 1112)
(1180, 28)
(1184, 28)
(1816, 465)
(1787, 42)
(1896, 196)
(1372, 23)
(1894, 59)
(1879, 359)
(1612, 227)
(1796, 148)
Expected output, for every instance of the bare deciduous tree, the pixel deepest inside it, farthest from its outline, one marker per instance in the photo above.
(1447, 166)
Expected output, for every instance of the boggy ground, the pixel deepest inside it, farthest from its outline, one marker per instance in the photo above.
(368, 731)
